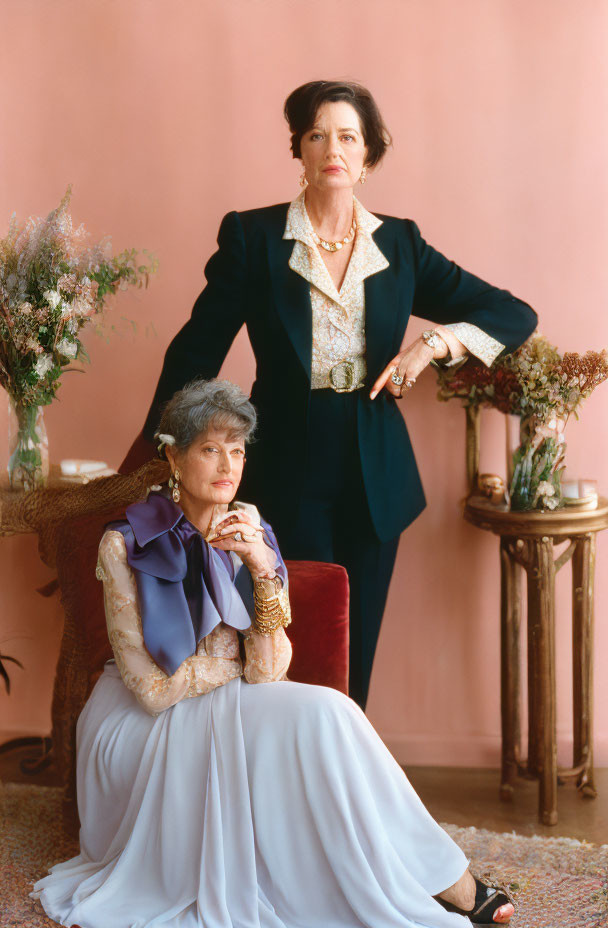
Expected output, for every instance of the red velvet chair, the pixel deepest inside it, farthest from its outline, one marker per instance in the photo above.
(319, 629)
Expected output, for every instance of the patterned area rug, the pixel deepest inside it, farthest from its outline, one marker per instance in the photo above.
(557, 882)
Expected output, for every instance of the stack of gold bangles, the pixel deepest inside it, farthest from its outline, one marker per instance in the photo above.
(271, 604)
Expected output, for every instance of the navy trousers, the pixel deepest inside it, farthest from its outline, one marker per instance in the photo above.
(331, 523)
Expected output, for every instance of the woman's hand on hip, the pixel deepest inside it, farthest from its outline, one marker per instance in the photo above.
(404, 367)
(409, 363)
(239, 533)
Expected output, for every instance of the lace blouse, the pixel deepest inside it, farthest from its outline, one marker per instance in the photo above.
(217, 659)
(338, 316)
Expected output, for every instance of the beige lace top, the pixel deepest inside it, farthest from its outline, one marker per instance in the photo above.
(217, 659)
(338, 316)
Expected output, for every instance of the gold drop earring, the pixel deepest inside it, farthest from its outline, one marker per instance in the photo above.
(363, 177)
(303, 181)
(174, 483)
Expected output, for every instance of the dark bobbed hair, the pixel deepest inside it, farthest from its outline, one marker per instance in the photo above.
(205, 404)
(302, 106)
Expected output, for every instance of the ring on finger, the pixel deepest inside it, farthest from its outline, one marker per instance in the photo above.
(407, 385)
(396, 377)
(238, 536)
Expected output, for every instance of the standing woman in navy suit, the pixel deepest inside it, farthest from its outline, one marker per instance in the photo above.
(326, 289)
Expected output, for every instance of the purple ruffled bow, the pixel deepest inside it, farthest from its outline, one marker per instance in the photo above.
(186, 587)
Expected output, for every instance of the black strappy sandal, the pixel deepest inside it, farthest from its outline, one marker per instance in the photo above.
(487, 900)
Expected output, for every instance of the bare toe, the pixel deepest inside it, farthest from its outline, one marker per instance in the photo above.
(504, 913)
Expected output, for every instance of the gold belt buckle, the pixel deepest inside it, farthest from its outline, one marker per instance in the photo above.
(342, 377)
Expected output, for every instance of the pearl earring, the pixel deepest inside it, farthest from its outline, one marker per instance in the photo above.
(363, 177)
(303, 181)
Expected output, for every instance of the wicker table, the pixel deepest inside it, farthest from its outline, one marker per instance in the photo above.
(527, 540)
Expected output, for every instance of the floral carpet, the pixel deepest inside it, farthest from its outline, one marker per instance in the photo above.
(556, 882)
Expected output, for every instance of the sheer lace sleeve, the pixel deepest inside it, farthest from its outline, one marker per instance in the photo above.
(476, 341)
(267, 657)
(152, 687)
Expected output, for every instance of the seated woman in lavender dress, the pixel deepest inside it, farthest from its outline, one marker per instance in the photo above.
(208, 802)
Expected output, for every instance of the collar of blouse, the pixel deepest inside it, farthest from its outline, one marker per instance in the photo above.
(366, 258)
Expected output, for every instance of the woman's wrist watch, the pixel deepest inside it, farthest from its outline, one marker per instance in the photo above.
(434, 340)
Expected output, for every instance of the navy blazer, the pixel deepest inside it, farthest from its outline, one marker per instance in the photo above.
(249, 282)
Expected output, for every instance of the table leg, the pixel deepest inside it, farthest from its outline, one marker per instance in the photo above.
(541, 634)
(534, 675)
(510, 619)
(583, 565)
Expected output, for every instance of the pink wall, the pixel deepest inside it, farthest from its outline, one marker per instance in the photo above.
(165, 116)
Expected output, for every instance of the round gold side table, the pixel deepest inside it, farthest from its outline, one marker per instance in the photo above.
(527, 540)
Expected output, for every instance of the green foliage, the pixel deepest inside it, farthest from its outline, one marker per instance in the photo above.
(537, 474)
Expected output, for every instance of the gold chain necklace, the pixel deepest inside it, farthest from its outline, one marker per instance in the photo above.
(335, 246)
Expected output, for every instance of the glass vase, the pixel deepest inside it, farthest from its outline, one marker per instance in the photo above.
(538, 465)
(28, 464)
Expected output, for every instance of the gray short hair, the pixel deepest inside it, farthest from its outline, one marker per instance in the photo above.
(206, 404)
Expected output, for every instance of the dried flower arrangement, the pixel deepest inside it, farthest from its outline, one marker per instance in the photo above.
(544, 389)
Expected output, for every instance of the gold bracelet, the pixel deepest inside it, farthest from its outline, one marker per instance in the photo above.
(271, 612)
(266, 587)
